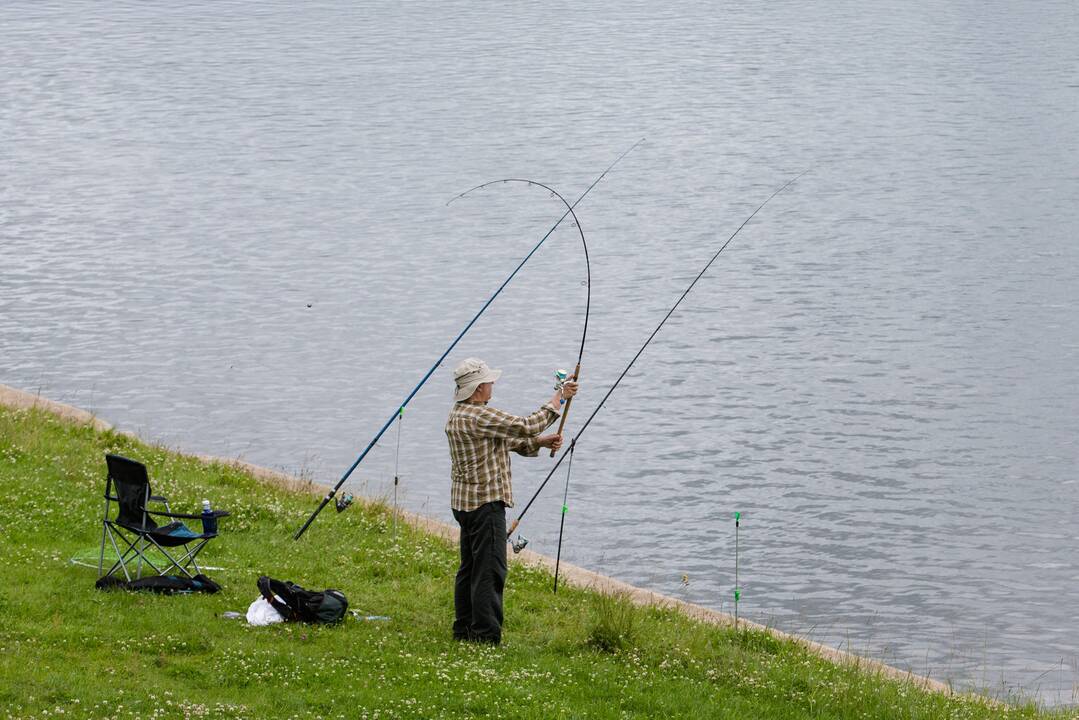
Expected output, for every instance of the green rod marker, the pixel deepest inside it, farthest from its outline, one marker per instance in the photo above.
(564, 509)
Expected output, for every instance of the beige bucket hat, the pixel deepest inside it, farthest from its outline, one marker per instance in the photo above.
(469, 375)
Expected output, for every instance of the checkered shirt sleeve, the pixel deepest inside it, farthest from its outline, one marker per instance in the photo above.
(481, 439)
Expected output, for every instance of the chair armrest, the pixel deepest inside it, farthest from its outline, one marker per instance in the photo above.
(186, 516)
(159, 498)
(189, 516)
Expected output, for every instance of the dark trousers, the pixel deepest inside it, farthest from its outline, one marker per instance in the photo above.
(477, 592)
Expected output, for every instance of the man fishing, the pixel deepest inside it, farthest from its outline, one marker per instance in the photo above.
(481, 438)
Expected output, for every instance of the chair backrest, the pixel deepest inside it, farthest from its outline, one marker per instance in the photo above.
(132, 486)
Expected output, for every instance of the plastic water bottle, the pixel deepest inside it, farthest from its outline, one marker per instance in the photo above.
(209, 520)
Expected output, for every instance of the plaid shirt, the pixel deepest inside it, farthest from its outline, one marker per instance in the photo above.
(481, 438)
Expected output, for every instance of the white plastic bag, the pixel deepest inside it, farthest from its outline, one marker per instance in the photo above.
(262, 612)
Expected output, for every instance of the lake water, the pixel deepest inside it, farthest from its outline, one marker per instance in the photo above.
(224, 226)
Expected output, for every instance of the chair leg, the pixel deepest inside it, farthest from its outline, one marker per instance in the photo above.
(119, 557)
(146, 543)
(191, 555)
(104, 528)
(101, 557)
(138, 570)
(132, 549)
(140, 545)
(181, 562)
(176, 564)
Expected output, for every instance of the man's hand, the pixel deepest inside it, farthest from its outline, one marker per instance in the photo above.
(569, 389)
(550, 441)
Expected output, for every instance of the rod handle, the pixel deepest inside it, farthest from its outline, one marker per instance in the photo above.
(325, 501)
(513, 527)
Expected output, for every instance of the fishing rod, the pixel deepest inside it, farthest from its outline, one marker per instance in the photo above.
(561, 375)
(573, 442)
(333, 491)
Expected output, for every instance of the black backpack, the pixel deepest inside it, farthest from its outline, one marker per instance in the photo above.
(300, 605)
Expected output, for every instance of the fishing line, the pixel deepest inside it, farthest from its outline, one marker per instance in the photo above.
(333, 491)
(565, 507)
(662, 322)
(396, 461)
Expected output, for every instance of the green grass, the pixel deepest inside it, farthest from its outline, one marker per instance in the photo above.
(68, 650)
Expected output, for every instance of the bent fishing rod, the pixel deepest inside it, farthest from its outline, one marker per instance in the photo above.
(588, 283)
(397, 411)
(584, 426)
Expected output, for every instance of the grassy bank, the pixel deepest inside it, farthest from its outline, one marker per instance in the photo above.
(69, 650)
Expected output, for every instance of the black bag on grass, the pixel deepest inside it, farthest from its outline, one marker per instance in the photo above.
(299, 605)
(163, 584)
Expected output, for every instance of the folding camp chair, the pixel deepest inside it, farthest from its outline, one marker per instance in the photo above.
(136, 530)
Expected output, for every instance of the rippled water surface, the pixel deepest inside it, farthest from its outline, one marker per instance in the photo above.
(224, 226)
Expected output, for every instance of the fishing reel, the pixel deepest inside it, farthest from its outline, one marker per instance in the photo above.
(519, 544)
(560, 377)
(343, 502)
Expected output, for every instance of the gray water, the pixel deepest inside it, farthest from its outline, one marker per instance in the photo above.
(224, 226)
